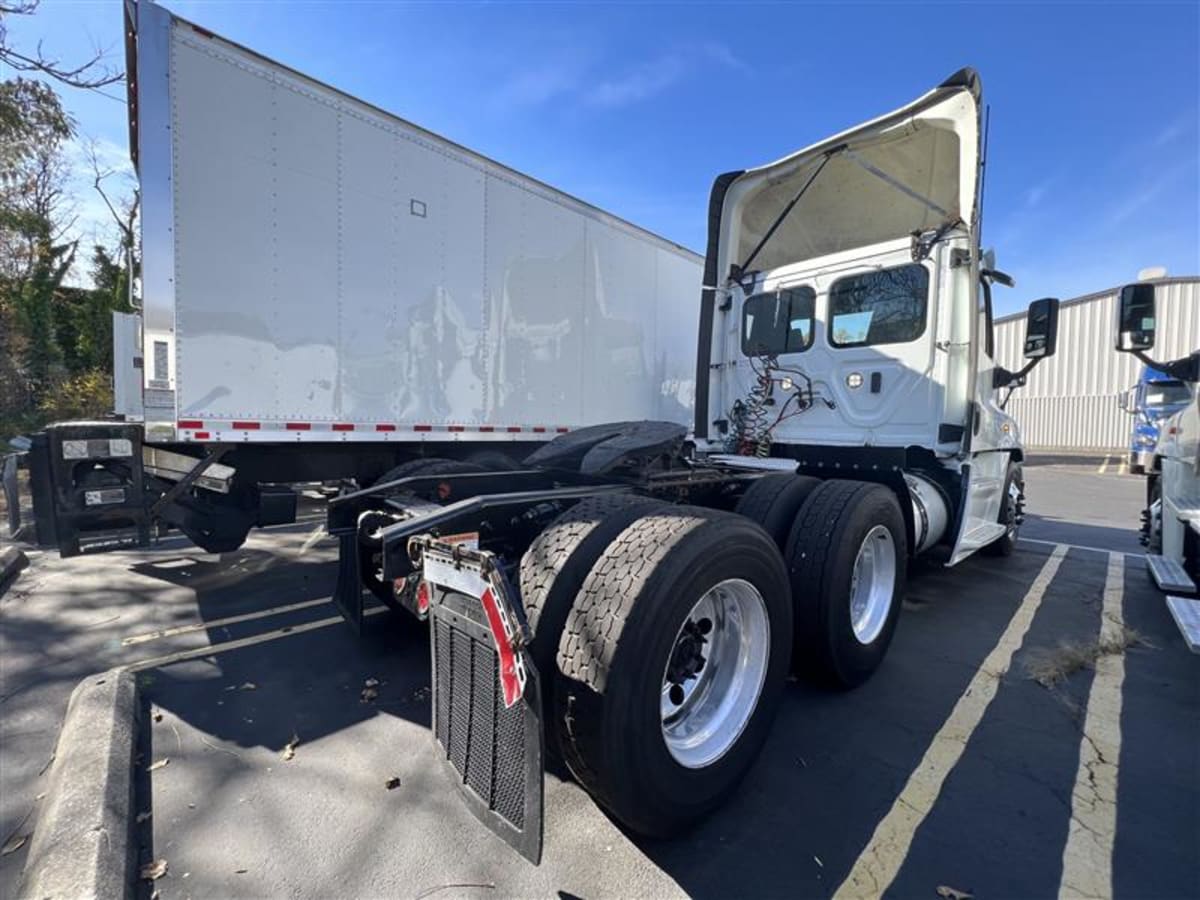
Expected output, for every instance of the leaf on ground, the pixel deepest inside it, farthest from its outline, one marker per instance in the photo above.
(142, 817)
(15, 843)
(240, 871)
(158, 717)
(948, 893)
(371, 682)
(158, 764)
(368, 694)
(392, 783)
(289, 750)
(248, 686)
(154, 870)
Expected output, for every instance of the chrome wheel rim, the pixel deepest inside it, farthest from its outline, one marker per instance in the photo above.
(714, 673)
(872, 584)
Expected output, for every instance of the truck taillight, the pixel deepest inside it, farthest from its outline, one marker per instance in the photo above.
(423, 597)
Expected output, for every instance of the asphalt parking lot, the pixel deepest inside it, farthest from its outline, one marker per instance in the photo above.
(952, 768)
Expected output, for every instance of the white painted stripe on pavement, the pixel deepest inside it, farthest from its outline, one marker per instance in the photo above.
(215, 649)
(880, 861)
(217, 623)
(1079, 547)
(1104, 465)
(1088, 855)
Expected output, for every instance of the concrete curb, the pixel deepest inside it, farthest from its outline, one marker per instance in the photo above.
(82, 846)
(12, 561)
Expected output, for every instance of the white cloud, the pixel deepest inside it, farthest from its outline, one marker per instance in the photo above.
(657, 75)
(578, 78)
(533, 87)
(1145, 194)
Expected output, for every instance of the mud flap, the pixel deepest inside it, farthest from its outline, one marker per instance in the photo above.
(348, 594)
(486, 696)
(493, 752)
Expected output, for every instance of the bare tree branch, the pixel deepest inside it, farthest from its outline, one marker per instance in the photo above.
(91, 74)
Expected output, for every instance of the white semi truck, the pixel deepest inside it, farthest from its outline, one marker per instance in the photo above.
(633, 597)
(1171, 517)
(330, 291)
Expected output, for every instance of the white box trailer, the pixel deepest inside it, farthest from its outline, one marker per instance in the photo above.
(329, 290)
(311, 260)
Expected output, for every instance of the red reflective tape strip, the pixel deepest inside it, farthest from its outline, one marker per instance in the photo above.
(487, 429)
(342, 426)
(538, 429)
(190, 423)
(456, 428)
(509, 681)
(201, 435)
(298, 426)
(513, 429)
(245, 426)
(422, 428)
(562, 430)
(385, 427)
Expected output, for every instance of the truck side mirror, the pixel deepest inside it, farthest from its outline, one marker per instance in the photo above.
(1135, 317)
(1041, 328)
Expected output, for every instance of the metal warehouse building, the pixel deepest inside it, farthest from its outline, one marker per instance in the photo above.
(1070, 402)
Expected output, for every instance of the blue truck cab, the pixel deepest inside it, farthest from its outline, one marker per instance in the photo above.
(1156, 396)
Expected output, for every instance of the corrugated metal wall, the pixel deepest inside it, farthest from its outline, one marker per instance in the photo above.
(1070, 402)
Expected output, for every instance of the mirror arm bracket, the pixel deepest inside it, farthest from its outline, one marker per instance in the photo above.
(1002, 377)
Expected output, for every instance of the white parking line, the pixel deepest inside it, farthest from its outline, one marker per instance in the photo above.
(217, 623)
(1104, 465)
(880, 861)
(1087, 547)
(1088, 855)
(214, 649)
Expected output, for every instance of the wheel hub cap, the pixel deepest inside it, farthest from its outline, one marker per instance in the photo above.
(872, 584)
(715, 673)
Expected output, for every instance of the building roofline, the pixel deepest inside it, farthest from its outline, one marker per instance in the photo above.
(1088, 298)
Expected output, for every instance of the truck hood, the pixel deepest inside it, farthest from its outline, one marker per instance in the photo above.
(915, 170)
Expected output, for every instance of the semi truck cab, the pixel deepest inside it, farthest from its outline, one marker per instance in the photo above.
(1155, 398)
(637, 593)
(849, 320)
(1171, 517)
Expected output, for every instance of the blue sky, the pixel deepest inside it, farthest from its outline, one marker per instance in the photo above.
(1095, 135)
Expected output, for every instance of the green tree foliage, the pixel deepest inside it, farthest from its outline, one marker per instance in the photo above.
(55, 340)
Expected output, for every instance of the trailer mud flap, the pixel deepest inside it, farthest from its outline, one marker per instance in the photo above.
(348, 593)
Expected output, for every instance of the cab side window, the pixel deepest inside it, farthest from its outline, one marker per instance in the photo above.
(778, 322)
(884, 307)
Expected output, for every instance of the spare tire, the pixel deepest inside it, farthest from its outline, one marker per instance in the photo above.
(672, 664)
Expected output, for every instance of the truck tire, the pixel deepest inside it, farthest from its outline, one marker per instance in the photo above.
(774, 500)
(1010, 515)
(847, 557)
(553, 570)
(677, 589)
(494, 460)
(429, 466)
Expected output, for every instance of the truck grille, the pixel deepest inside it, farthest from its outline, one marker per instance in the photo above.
(483, 741)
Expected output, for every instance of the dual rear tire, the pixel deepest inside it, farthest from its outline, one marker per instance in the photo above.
(666, 632)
